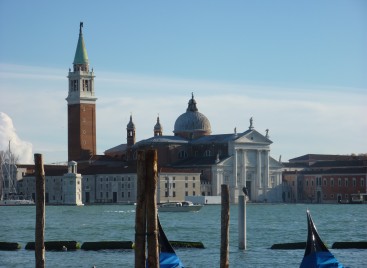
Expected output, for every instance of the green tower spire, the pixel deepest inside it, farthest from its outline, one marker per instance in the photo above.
(81, 56)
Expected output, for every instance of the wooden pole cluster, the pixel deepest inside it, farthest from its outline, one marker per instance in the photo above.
(40, 212)
(146, 210)
(224, 243)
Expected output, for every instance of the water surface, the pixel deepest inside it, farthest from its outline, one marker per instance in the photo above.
(267, 224)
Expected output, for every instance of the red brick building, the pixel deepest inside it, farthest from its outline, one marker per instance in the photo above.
(324, 179)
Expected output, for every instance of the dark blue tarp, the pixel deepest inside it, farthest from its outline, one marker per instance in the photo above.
(167, 255)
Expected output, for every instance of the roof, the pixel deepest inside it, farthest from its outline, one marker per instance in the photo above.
(81, 56)
(274, 163)
(220, 138)
(161, 139)
(340, 163)
(117, 149)
(320, 157)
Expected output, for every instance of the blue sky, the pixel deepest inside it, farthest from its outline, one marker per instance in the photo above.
(299, 68)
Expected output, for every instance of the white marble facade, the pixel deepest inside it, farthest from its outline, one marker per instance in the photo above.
(249, 165)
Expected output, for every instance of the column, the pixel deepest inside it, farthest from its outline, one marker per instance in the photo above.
(259, 169)
(267, 168)
(235, 168)
(244, 167)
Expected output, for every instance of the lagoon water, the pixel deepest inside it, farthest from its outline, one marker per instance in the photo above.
(267, 224)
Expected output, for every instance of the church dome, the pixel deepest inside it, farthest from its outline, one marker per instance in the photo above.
(192, 124)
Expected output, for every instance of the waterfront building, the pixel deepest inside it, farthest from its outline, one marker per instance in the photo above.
(105, 184)
(324, 178)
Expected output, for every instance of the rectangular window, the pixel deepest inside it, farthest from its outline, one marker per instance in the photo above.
(174, 185)
(193, 193)
(106, 194)
(122, 194)
(174, 194)
(193, 185)
(186, 193)
(101, 195)
(128, 194)
(166, 194)
(186, 185)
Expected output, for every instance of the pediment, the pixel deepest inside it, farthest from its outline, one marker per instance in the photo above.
(254, 137)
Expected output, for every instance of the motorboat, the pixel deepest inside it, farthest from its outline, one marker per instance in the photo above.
(185, 206)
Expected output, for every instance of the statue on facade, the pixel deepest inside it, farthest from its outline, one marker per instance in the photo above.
(251, 122)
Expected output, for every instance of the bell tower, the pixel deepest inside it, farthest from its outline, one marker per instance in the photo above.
(81, 106)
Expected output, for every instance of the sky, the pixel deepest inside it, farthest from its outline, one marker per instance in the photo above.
(299, 68)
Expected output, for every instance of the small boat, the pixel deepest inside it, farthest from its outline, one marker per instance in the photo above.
(316, 254)
(17, 202)
(185, 206)
(167, 255)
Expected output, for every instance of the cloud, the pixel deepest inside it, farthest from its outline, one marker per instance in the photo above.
(21, 149)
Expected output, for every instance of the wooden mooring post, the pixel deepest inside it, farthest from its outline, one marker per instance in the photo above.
(151, 203)
(146, 210)
(224, 241)
(40, 212)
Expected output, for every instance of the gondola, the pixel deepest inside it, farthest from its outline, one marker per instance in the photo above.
(167, 255)
(316, 253)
